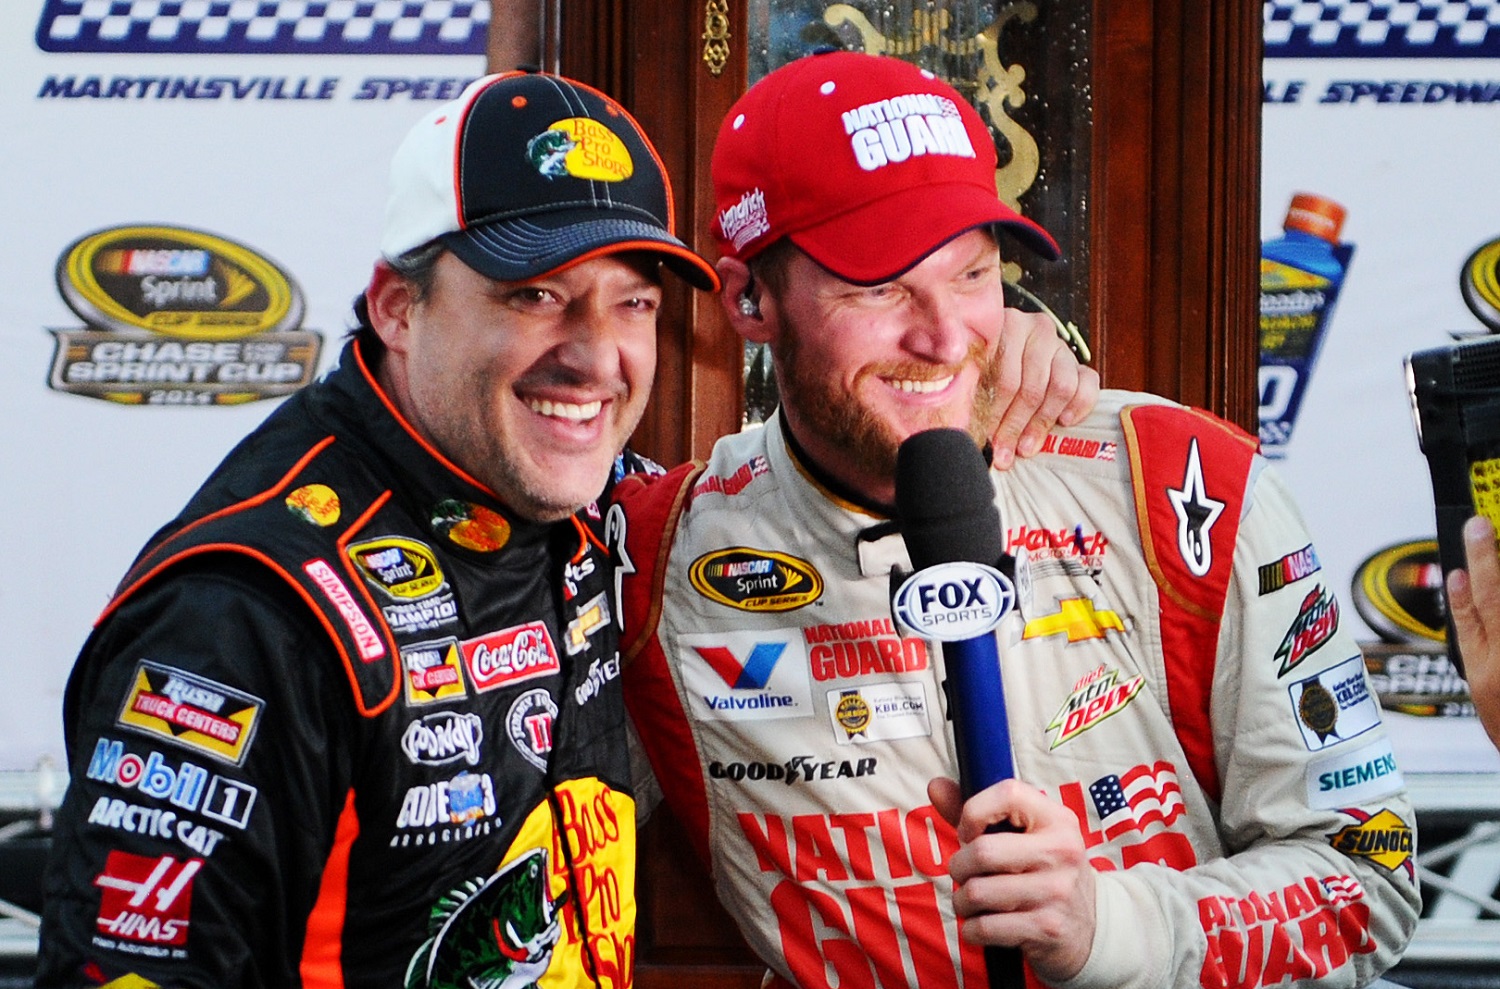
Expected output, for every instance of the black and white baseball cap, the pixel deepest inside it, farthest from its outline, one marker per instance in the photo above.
(526, 173)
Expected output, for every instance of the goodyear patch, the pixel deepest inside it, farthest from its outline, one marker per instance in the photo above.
(178, 317)
(1334, 705)
(317, 504)
(755, 579)
(1383, 838)
(1098, 695)
(404, 569)
(433, 672)
(191, 711)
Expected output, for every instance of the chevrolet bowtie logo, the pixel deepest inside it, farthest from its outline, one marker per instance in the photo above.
(1078, 618)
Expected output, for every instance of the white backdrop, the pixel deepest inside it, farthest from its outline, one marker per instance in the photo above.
(301, 182)
(1369, 113)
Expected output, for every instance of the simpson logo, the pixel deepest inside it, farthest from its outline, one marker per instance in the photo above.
(510, 656)
(1196, 515)
(404, 569)
(1077, 618)
(1316, 621)
(1383, 838)
(191, 711)
(1095, 697)
(433, 672)
(583, 148)
(366, 639)
(1345, 778)
(742, 223)
(892, 130)
(862, 648)
(1289, 569)
(1334, 705)
(316, 504)
(351, 27)
(765, 674)
(879, 712)
(178, 317)
(755, 579)
(529, 724)
(146, 900)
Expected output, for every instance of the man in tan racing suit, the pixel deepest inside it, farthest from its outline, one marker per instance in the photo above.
(1205, 794)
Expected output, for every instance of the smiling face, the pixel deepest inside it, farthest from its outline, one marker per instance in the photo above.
(861, 368)
(530, 387)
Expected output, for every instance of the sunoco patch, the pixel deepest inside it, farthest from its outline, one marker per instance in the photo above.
(178, 317)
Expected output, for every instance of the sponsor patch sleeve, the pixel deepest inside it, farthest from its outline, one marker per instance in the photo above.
(1317, 886)
(190, 842)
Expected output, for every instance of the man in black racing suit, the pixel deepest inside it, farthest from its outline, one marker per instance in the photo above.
(353, 718)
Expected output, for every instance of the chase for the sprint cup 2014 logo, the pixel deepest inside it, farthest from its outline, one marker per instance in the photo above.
(178, 317)
(954, 601)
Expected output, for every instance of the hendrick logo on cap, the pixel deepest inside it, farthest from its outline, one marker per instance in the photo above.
(902, 127)
(746, 219)
(582, 148)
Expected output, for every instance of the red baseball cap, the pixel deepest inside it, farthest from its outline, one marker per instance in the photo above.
(866, 162)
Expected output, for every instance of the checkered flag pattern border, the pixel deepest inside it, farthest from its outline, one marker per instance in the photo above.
(1382, 28)
(388, 27)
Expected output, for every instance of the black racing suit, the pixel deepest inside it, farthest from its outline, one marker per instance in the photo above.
(348, 721)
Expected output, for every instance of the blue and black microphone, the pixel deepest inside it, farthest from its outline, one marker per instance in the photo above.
(959, 593)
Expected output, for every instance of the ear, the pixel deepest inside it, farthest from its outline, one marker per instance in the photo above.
(735, 276)
(389, 299)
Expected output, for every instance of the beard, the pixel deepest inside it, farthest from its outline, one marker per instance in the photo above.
(848, 424)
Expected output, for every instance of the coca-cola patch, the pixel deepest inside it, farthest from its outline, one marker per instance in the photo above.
(510, 656)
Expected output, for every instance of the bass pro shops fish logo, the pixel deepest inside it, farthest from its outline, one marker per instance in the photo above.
(580, 147)
(495, 933)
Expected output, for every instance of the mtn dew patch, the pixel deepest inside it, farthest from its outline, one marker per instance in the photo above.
(1300, 276)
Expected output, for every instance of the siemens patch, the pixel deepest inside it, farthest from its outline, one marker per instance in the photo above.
(1346, 778)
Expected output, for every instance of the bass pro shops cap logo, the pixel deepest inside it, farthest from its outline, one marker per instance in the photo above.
(178, 317)
(582, 148)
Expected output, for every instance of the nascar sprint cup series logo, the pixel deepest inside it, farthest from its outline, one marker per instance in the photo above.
(178, 317)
